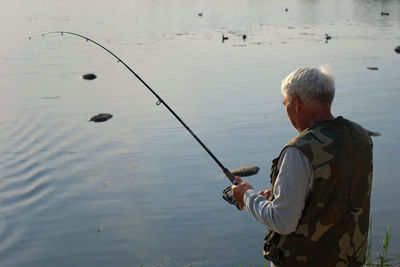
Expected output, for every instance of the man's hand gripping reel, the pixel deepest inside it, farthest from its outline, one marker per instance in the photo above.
(227, 193)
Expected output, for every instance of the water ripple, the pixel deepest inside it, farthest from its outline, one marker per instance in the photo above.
(26, 196)
(8, 236)
(39, 152)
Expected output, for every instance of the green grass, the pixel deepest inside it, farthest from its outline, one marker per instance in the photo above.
(382, 258)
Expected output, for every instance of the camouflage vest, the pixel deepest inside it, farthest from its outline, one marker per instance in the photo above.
(333, 228)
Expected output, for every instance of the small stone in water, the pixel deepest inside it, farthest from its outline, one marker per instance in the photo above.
(245, 171)
(370, 133)
(101, 117)
(89, 76)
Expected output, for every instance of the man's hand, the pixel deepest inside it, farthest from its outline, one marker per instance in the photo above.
(266, 193)
(239, 190)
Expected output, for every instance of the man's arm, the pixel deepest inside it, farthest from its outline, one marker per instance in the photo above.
(290, 193)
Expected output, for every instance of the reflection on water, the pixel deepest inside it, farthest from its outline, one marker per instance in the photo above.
(138, 189)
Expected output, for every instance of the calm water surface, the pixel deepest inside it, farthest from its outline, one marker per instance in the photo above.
(138, 189)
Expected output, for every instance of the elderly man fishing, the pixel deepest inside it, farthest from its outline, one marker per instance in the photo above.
(317, 211)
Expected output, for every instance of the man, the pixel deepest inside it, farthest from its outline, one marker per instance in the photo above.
(317, 211)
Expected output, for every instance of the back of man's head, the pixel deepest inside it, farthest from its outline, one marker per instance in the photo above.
(310, 84)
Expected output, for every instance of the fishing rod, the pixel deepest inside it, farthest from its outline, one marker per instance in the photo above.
(227, 193)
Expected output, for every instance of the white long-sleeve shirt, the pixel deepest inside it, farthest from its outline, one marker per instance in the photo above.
(291, 190)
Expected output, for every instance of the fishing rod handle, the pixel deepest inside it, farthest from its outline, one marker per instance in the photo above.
(230, 176)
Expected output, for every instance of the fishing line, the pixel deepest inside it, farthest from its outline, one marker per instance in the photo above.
(227, 192)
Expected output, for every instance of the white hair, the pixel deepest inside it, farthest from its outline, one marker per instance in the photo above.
(310, 84)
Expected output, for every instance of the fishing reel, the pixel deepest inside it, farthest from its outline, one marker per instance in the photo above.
(227, 195)
(242, 171)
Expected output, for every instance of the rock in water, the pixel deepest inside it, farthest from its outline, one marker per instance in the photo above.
(370, 133)
(101, 117)
(245, 171)
(89, 76)
(397, 49)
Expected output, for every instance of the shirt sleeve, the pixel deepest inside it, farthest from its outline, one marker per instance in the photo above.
(291, 190)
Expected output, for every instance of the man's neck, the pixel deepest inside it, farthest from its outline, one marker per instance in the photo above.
(315, 117)
(322, 117)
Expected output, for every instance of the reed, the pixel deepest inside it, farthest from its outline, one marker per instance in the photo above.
(382, 258)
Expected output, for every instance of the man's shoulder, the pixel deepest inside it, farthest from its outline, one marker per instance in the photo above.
(318, 134)
(313, 141)
(327, 132)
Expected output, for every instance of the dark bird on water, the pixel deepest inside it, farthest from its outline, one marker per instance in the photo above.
(200, 14)
(244, 37)
(327, 37)
(89, 76)
(384, 13)
(397, 49)
(224, 38)
(101, 117)
(286, 9)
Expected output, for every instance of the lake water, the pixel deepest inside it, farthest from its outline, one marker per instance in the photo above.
(138, 189)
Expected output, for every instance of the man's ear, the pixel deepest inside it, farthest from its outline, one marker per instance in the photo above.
(298, 103)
